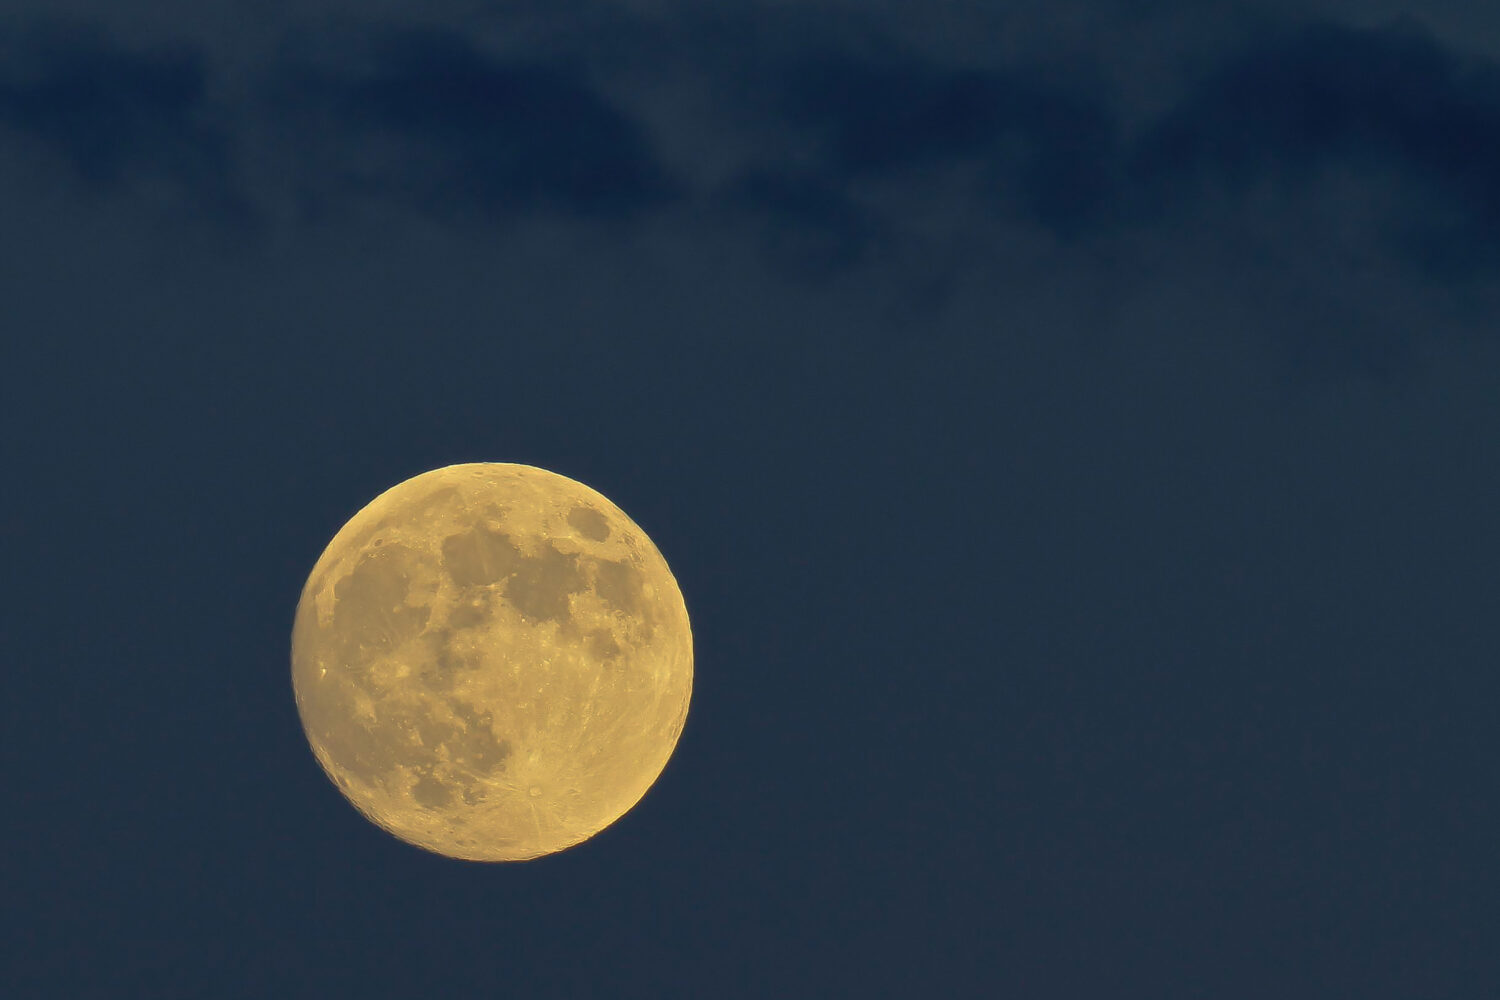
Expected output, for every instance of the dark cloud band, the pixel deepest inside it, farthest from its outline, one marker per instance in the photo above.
(431, 121)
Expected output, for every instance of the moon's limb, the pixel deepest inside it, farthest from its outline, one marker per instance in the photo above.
(492, 661)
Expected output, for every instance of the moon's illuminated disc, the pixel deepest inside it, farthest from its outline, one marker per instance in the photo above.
(492, 661)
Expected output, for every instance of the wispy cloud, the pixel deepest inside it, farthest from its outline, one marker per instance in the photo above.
(1045, 150)
(1386, 100)
(807, 223)
(429, 120)
(433, 121)
(112, 115)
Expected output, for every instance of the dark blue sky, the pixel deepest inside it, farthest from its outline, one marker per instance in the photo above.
(1073, 427)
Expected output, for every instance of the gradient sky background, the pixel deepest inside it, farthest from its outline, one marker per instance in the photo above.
(1074, 427)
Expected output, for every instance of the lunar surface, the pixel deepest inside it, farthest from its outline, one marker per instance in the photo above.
(492, 661)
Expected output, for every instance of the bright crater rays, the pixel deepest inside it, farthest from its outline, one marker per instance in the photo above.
(492, 661)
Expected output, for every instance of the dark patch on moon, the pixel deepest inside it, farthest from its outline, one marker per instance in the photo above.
(589, 523)
(540, 587)
(473, 611)
(479, 557)
(433, 732)
(620, 585)
(476, 746)
(603, 647)
(430, 793)
(370, 610)
(440, 671)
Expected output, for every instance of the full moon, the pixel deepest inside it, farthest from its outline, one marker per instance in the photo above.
(492, 661)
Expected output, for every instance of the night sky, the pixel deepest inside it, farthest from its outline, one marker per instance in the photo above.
(1074, 427)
